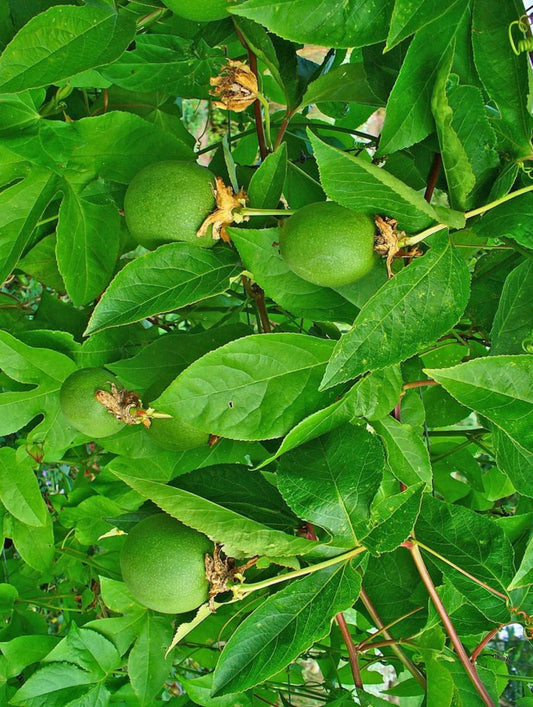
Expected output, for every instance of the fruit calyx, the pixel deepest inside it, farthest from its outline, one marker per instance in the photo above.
(387, 241)
(235, 87)
(227, 203)
(222, 571)
(127, 406)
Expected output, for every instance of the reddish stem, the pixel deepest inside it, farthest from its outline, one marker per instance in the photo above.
(487, 639)
(341, 622)
(411, 667)
(283, 128)
(419, 384)
(258, 295)
(448, 625)
(352, 650)
(259, 127)
(433, 176)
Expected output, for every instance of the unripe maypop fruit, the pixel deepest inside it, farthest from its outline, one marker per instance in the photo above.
(176, 434)
(163, 564)
(328, 245)
(199, 10)
(167, 202)
(80, 406)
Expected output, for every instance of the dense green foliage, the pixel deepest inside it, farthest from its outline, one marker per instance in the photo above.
(361, 452)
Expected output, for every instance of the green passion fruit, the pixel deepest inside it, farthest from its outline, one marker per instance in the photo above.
(167, 202)
(163, 566)
(80, 407)
(175, 434)
(328, 245)
(199, 10)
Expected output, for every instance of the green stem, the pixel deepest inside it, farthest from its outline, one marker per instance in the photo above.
(245, 211)
(152, 17)
(243, 590)
(266, 115)
(413, 240)
(47, 220)
(480, 582)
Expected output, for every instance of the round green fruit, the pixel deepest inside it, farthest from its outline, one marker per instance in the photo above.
(199, 10)
(163, 566)
(80, 407)
(176, 435)
(167, 202)
(328, 245)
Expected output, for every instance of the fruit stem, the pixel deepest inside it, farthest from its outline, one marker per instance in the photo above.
(246, 211)
(242, 591)
(413, 240)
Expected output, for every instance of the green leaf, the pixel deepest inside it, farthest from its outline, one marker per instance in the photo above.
(18, 113)
(515, 461)
(512, 328)
(471, 124)
(407, 454)
(173, 276)
(392, 520)
(255, 388)
(239, 489)
(459, 175)
(524, 574)
(372, 397)
(167, 63)
(240, 534)
(262, 44)
(45, 370)
(40, 262)
(260, 253)
(88, 235)
(284, 626)
(413, 309)
(267, 182)
(348, 23)
(35, 544)
(200, 688)
(510, 220)
(487, 284)
(408, 117)
(498, 387)
(474, 544)
(22, 651)
(117, 145)
(19, 488)
(122, 630)
(88, 649)
(359, 185)
(54, 685)
(344, 83)
(147, 666)
(157, 364)
(494, 58)
(332, 481)
(409, 17)
(61, 42)
(21, 206)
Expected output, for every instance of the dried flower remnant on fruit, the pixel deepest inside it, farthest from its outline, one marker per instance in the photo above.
(235, 87)
(386, 241)
(221, 571)
(126, 406)
(227, 202)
